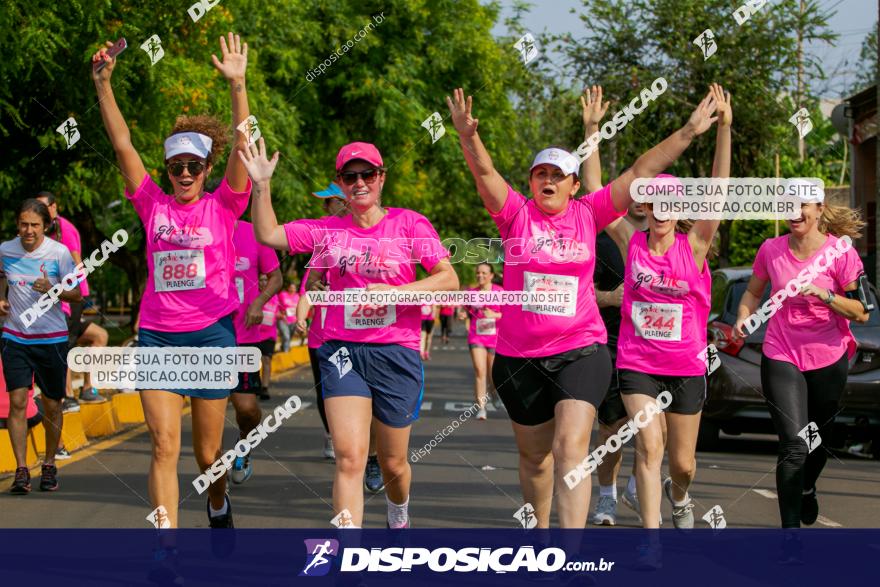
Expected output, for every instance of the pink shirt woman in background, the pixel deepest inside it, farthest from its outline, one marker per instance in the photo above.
(288, 299)
(666, 301)
(428, 319)
(552, 367)
(370, 366)
(190, 294)
(482, 338)
(447, 315)
(817, 287)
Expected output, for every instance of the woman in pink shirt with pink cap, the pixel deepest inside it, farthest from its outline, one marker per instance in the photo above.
(370, 364)
(190, 294)
(552, 367)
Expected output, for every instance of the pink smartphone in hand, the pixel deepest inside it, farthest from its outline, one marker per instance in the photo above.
(117, 48)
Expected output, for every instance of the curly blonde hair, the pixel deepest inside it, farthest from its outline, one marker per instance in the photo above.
(206, 125)
(841, 221)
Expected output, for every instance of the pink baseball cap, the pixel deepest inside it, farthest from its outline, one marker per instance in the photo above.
(365, 151)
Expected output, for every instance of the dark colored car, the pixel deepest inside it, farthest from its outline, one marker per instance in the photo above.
(735, 403)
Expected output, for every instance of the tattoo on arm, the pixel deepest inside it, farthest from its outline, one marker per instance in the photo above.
(237, 87)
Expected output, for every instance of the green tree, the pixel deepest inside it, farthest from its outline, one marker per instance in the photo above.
(867, 74)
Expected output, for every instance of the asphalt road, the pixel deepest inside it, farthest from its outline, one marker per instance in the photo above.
(468, 480)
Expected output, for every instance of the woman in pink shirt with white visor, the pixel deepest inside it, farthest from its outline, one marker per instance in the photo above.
(552, 367)
(190, 294)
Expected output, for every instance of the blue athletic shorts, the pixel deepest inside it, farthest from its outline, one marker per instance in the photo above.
(218, 334)
(389, 374)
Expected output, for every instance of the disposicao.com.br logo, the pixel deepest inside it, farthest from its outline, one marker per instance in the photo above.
(442, 560)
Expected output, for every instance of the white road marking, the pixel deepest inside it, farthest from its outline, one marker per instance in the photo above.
(821, 519)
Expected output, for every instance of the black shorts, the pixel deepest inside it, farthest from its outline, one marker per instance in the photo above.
(267, 347)
(612, 409)
(688, 393)
(428, 326)
(44, 363)
(251, 382)
(75, 324)
(530, 388)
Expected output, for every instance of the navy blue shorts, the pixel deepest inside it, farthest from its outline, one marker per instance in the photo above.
(218, 334)
(389, 374)
(44, 363)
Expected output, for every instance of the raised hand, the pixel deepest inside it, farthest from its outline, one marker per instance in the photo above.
(722, 102)
(701, 118)
(593, 108)
(258, 166)
(107, 70)
(465, 124)
(234, 53)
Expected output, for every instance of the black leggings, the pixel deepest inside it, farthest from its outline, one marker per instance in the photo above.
(445, 325)
(316, 373)
(795, 399)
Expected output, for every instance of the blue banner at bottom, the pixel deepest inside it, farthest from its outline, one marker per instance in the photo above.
(384, 558)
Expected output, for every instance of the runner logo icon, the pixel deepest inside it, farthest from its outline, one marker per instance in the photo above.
(319, 554)
(341, 359)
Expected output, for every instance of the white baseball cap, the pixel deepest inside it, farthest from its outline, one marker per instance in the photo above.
(190, 143)
(808, 191)
(561, 158)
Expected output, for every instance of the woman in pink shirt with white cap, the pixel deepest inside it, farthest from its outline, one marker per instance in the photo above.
(370, 364)
(552, 367)
(817, 286)
(190, 294)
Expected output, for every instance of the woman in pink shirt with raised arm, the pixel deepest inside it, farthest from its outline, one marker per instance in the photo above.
(666, 301)
(190, 293)
(552, 367)
(370, 364)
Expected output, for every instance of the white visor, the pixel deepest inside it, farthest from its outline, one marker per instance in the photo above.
(562, 159)
(808, 190)
(189, 143)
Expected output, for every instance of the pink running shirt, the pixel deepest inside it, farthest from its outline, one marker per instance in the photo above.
(483, 330)
(315, 336)
(190, 256)
(251, 259)
(553, 253)
(384, 253)
(666, 303)
(447, 310)
(287, 303)
(805, 331)
(427, 313)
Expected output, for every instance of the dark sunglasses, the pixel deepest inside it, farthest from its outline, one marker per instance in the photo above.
(176, 168)
(351, 177)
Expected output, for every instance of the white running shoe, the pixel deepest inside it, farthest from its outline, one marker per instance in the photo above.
(606, 511)
(481, 415)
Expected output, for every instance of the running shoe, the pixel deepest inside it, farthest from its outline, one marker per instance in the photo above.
(264, 394)
(792, 552)
(481, 415)
(329, 453)
(165, 567)
(682, 515)
(373, 476)
(242, 469)
(404, 527)
(61, 454)
(91, 396)
(223, 520)
(69, 405)
(48, 478)
(809, 507)
(649, 557)
(222, 543)
(22, 483)
(606, 511)
(631, 500)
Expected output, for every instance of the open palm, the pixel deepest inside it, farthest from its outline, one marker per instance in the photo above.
(465, 124)
(593, 108)
(234, 53)
(701, 118)
(258, 166)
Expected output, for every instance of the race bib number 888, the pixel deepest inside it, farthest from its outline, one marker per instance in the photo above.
(179, 270)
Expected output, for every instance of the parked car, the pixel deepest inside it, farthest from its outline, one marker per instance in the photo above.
(735, 403)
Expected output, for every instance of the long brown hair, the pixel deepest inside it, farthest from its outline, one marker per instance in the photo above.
(841, 221)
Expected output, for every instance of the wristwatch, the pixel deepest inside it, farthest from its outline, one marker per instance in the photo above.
(830, 299)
